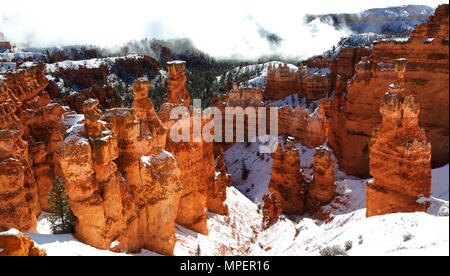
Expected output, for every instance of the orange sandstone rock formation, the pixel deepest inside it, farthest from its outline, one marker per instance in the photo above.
(177, 80)
(321, 189)
(107, 97)
(271, 210)
(196, 157)
(347, 59)
(399, 159)
(29, 142)
(308, 129)
(315, 78)
(247, 99)
(19, 203)
(123, 187)
(288, 180)
(296, 193)
(426, 77)
(41, 121)
(281, 82)
(45, 141)
(14, 243)
(92, 179)
(217, 192)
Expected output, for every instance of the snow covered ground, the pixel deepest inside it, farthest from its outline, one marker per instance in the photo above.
(293, 101)
(88, 63)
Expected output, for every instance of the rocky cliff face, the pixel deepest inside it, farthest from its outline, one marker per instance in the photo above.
(288, 180)
(380, 20)
(399, 159)
(130, 69)
(196, 158)
(83, 77)
(311, 82)
(30, 142)
(281, 82)
(123, 187)
(217, 192)
(19, 203)
(309, 129)
(14, 243)
(344, 65)
(315, 79)
(107, 97)
(321, 190)
(356, 114)
(295, 192)
(271, 210)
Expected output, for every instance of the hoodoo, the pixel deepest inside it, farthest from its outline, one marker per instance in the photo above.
(120, 182)
(321, 189)
(196, 157)
(399, 156)
(271, 209)
(288, 180)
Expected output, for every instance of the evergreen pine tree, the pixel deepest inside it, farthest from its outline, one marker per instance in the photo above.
(198, 252)
(61, 219)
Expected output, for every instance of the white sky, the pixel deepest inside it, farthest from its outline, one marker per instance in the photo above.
(221, 28)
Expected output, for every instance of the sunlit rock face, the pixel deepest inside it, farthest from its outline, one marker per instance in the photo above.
(281, 82)
(296, 193)
(355, 113)
(14, 243)
(19, 202)
(271, 210)
(29, 144)
(196, 157)
(177, 93)
(321, 190)
(315, 79)
(308, 129)
(123, 187)
(344, 65)
(399, 159)
(288, 180)
(307, 81)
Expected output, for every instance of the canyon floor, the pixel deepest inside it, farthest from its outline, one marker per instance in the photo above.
(349, 233)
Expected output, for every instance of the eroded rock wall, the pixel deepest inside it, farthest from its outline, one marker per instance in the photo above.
(288, 180)
(123, 187)
(355, 113)
(15, 243)
(321, 189)
(195, 158)
(30, 144)
(399, 159)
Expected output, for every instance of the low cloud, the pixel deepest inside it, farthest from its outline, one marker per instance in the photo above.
(238, 29)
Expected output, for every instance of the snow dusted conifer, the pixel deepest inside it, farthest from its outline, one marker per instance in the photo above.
(61, 219)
